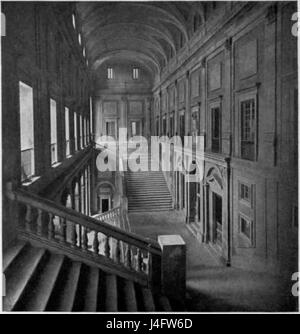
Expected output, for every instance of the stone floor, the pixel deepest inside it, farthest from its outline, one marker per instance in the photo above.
(212, 287)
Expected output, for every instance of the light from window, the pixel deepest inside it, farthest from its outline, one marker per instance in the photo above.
(248, 131)
(67, 131)
(26, 131)
(81, 129)
(73, 21)
(83, 52)
(110, 73)
(53, 131)
(84, 132)
(79, 39)
(75, 132)
(91, 115)
(135, 73)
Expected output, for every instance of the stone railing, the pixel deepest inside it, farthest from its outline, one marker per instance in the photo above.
(87, 239)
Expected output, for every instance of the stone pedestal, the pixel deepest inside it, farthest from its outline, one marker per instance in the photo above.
(173, 273)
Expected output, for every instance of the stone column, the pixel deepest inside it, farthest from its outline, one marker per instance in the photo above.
(187, 105)
(160, 113)
(147, 116)
(175, 120)
(173, 269)
(206, 212)
(98, 127)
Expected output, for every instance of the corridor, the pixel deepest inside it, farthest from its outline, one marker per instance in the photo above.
(211, 286)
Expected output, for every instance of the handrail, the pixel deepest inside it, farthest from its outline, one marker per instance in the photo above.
(56, 209)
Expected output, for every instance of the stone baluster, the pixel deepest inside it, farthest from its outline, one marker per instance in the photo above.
(96, 243)
(73, 235)
(107, 247)
(118, 251)
(63, 229)
(84, 239)
(40, 222)
(128, 257)
(50, 227)
(139, 260)
(28, 218)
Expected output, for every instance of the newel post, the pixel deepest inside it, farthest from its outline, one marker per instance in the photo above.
(173, 266)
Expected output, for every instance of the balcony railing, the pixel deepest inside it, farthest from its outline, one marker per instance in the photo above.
(27, 164)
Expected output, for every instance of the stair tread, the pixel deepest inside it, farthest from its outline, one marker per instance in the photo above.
(67, 297)
(40, 295)
(111, 295)
(90, 300)
(130, 297)
(12, 253)
(164, 304)
(19, 275)
(148, 300)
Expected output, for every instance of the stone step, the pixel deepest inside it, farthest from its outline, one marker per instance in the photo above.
(90, 300)
(11, 254)
(39, 289)
(111, 295)
(19, 274)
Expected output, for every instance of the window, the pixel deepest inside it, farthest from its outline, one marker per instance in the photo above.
(216, 130)
(245, 192)
(74, 21)
(53, 131)
(79, 39)
(83, 52)
(246, 228)
(84, 132)
(26, 131)
(110, 73)
(248, 129)
(91, 116)
(157, 126)
(80, 131)
(75, 132)
(67, 131)
(135, 73)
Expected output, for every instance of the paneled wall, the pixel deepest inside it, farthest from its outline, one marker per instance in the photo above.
(244, 71)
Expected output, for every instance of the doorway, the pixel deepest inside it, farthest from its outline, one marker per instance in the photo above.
(217, 219)
(105, 204)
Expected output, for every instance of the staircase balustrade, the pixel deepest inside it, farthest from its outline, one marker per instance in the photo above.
(124, 252)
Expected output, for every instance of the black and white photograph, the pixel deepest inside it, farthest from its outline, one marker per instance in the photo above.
(149, 159)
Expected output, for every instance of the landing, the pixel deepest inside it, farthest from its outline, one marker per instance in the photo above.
(212, 287)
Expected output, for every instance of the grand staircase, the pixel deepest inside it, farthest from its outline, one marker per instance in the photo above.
(40, 280)
(147, 191)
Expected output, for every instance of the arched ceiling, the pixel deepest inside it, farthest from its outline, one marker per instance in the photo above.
(144, 32)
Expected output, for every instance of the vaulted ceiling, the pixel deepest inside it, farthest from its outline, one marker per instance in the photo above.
(144, 32)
